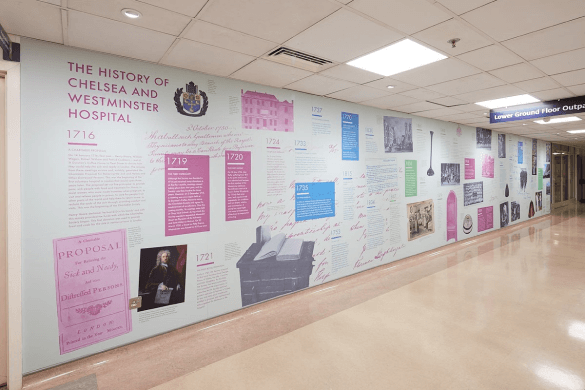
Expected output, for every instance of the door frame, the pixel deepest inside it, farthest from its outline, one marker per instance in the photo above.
(13, 222)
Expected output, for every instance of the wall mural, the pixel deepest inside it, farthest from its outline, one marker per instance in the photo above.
(202, 195)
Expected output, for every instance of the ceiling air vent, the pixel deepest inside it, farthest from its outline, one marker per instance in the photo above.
(297, 59)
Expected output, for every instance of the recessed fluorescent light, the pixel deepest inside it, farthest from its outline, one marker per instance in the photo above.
(131, 13)
(390, 86)
(559, 120)
(397, 58)
(508, 101)
(575, 131)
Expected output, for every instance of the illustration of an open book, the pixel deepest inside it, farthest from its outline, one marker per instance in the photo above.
(284, 249)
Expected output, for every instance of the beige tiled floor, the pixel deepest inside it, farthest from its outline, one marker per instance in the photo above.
(510, 318)
(502, 311)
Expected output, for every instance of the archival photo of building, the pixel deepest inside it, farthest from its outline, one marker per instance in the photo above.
(263, 111)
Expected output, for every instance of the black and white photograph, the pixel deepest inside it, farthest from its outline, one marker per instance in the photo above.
(472, 193)
(538, 201)
(534, 156)
(483, 138)
(274, 265)
(504, 214)
(502, 145)
(397, 135)
(546, 173)
(515, 211)
(548, 151)
(421, 219)
(162, 276)
(523, 179)
(547, 188)
(450, 174)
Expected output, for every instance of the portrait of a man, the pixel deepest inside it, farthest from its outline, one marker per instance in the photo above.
(162, 276)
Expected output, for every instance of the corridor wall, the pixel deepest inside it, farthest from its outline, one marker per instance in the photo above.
(201, 195)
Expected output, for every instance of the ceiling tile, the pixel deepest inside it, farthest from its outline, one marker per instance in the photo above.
(206, 58)
(185, 7)
(463, 6)
(319, 85)
(419, 106)
(33, 19)
(491, 93)
(438, 35)
(467, 84)
(536, 85)
(153, 18)
(387, 102)
(479, 123)
(214, 35)
(578, 90)
(270, 73)
(117, 38)
(552, 94)
(506, 19)
(471, 108)
(571, 78)
(273, 20)
(332, 39)
(491, 57)
(383, 84)
(350, 73)
(357, 94)
(516, 73)
(549, 41)
(438, 113)
(437, 72)
(422, 94)
(407, 16)
(460, 117)
(449, 101)
(561, 63)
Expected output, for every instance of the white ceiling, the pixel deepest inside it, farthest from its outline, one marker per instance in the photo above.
(507, 47)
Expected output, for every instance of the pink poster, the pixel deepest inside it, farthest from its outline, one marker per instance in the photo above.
(487, 166)
(238, 185)
(263, 111)
(452, 216)
(91, 277)
(469, 168)
(485, 218)
(186, 194)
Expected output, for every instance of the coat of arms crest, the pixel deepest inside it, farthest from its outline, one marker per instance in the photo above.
(192, 102)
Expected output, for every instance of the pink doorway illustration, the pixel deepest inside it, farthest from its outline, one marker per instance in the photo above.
(452, 216)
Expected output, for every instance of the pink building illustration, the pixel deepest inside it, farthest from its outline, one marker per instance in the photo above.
(264, 111)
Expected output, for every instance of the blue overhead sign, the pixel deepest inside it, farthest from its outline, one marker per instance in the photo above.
(573, 105)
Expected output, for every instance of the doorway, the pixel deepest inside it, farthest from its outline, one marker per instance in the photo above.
(3, 292)
(563, 175)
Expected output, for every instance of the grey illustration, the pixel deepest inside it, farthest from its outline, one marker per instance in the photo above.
(450, 174)
(515, 211)
(523, 179)
(483, 138)
(504, 214)
(273, 266)
(502, 145)
(472, 193)
(397, 135)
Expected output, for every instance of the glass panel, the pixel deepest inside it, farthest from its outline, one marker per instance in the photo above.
(556, 179)
(565, 177)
